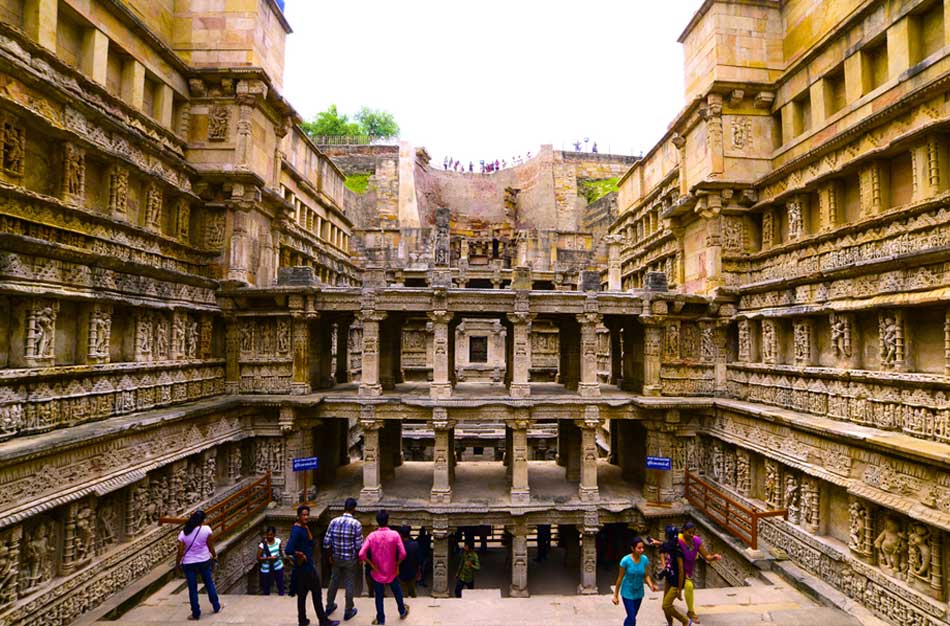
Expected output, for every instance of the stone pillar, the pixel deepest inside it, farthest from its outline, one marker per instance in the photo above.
(441, 386)
(616, 355)
(873, 187)
(828, 205)
(300, 341)
(521, 359)
(39, 21)
(232, 348)
(342, 373)
(588, 540)
(440, 558)
(614, 277)
(568, 448)
(95, 55)
(520, 489)
(652, 340)
(589, 386)
(519, 560)
(372, 489)
(588, 490)
(369, 378)
(930, 167)
(133, 83)
(389, 348)
(390, 448)
(441, 455)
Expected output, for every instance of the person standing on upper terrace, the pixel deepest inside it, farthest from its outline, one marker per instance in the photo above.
(344, 539)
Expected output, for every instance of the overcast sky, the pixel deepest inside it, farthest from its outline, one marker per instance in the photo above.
(493, 79)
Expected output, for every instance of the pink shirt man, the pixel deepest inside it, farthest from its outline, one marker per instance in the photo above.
(386, 550)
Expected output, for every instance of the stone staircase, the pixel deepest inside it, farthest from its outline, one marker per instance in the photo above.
(776, 604)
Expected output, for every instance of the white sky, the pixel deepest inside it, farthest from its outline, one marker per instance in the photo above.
(493, 79)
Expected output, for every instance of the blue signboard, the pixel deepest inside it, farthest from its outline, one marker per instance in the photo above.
(306, 463)
(659, 463)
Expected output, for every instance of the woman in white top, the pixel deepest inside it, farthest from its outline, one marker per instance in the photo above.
(195, 554)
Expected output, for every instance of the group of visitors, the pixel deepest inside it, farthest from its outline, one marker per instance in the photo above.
(679, 551)
(394, 559)
(485, 166)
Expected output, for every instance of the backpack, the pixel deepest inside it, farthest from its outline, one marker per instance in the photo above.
(670, 572)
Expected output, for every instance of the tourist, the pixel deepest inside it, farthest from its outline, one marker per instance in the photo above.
(445, 163)
(673, 574)
(692, 546)
(468, 565)
(306, 578)
(594, 148)
(409, 567)
(270, 556)
(471, 167)
(344, 539)
(383, 551)
(634, 570)
(195, 554)
(425, 549)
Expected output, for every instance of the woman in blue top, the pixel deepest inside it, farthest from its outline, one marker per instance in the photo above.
(634, 570)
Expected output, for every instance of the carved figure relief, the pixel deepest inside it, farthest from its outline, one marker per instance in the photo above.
(213, 227)
(860, 536)
(919, 552)
(283, 336)
(741, 133)
(118, 189)
(144, 333)
(41, 329)
(768, 229)
(219, 119)
(14, 148)
(891, 339)
(191, 339)
(796, 220)
(39, 550)
(183, 219)
(689, 347)
(672, 343)
(745, 340)
(891, 547)
(769, 341)
(107, 525)
(801, 336)
(153, 206)
(708, 343)
(74, 171)
(82, 538)
(9, 566)
(100, 330)
(791, 498)
(810, 501)
(247, 337)
(841, 335)
(772, 477)
(161, 336)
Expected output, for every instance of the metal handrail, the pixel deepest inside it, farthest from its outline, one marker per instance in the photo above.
(737, 519)
(236, 509)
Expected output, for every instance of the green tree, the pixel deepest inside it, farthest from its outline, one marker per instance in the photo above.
(330, 123)
(377, 123)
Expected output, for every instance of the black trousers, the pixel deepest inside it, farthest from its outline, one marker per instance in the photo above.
(308, 581)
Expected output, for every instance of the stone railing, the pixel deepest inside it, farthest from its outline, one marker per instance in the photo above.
(60, 397)
(916, 404)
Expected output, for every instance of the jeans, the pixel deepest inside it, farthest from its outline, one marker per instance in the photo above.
(277, 576)
(459, 583)
(308, 581)
(192, 570)
(632, 607)
(349, 571)
(379, 592)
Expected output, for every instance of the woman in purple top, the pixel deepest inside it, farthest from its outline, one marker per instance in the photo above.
(692, 546)
(383, 551)
(195, 554)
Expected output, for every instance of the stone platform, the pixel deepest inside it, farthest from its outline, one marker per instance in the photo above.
(760, 604)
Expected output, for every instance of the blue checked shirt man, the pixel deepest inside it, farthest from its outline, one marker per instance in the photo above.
(344, 539)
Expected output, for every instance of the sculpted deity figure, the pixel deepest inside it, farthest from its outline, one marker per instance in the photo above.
(9, 555)
(38, 555)
(192, 340)
(161, 338)
(858, 526)
(891, 547)
(791, 499)
(771, 483)
(101, 323)
(283, 336)
(919, 551)
(106, 527)
(178, 337)
(43, 326)
(13, 140)
(82, 539)
(768, 341)
(247, 337)
(889, 335)
(841, 336)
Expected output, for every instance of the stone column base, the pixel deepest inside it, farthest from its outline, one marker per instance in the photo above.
(517, 592)
(588, 494)
(371, 495)
(589, 390)
(440, 496)
(300, 389)
(370, 391)
(652, 390)
(440, 390)
(520, 496)
(232, 387)
(519, 390)
(586, 591)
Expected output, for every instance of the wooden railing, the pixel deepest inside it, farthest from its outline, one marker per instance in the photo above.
(235, 510)
(735, 518)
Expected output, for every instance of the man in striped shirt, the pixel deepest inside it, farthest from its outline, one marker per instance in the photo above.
(344, 539)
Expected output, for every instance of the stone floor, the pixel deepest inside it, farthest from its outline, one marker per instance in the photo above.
(761, 604)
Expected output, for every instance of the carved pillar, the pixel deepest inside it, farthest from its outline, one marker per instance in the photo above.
(744, 331)
(520, 489)
(441, 456)
(390, 351)
(297, 443)
(238, 254)
(769, 341)
(891, 340)
(97, 331)
(74, 173)
(861, 536)
(369, 380)
(521, 360)
(10, 564)
(300, 343)
(589, 386)
(440, 558)
(828, 211)
(519, 560)
(802, 336)
(873, 187)
(652, 340)
(614, 277)
(441, 386)
(810, 504)
(588, 534)
(588, 490)
(234, 332)
(712, 113)
(39, 336)
(372, 489)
